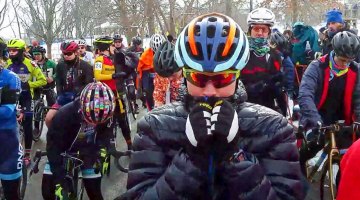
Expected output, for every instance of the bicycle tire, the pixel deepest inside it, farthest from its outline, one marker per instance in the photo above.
(328, 189)
(38, 108)
(41, 123)
(23, 182)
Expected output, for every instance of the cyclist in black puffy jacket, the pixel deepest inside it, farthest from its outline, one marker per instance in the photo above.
(213, 145)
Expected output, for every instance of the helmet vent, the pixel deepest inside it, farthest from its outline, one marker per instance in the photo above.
(211, 31)
(197, 30)
(209, 49)
(212, 19)
(225, 31)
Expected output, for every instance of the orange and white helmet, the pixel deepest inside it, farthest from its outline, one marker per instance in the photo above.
(212, 43)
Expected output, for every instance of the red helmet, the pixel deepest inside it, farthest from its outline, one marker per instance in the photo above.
(69, 47)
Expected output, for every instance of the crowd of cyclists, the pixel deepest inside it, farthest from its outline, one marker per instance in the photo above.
(220, 101)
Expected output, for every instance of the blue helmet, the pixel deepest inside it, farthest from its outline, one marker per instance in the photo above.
(212, 43)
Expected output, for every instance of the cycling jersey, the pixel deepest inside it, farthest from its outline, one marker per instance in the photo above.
(68, 126)
(73, 77)
(11, 151)
(29, 72)
(48, 69)
(88, 57)
(103, 70)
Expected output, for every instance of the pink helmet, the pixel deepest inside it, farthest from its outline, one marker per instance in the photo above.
(69, 47)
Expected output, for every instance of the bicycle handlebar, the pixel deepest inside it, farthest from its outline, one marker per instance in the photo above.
(36, 159)
(117, 155)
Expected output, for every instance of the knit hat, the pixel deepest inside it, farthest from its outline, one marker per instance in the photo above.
(334, 16)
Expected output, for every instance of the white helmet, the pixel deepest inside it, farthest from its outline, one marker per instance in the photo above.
(261, 16)
(155, 41)
(81, 42)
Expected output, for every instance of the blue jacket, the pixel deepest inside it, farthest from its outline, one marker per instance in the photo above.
(289, 73)
(8, 81)
(311, 89)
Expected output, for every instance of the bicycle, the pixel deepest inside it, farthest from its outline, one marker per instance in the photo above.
(330, 157)
(72, 166)
(39, 114)
(112, 151)
(130, 92)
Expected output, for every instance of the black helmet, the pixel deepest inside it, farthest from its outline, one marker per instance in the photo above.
(117, 37)
(136, 40)
(164, 63)
(38, 49)
(278, 41)
(346, 44)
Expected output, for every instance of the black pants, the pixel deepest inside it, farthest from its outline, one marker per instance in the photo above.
(123, 121)
(148, 88)
(25, 102)
(11, 189)
(92, 186)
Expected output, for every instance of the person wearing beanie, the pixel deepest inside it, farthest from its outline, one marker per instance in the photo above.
(334, 24)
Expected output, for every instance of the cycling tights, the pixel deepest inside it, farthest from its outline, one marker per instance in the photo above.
(25, 102)
(11, 189)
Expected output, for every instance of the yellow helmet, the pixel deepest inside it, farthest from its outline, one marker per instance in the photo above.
(16, 44)
(103, 40)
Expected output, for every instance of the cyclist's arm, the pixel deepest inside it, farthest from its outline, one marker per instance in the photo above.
(289, 71)
(40, 78)
(309, 84)
(89, 73)
(99, 76)
(9, 96)
(356, 97)
(56, 144)
(59, 79)
(52, 65)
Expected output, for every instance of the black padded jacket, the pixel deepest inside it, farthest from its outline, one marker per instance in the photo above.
(160, 168)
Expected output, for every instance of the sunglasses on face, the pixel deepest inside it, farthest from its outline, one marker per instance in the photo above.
(82, 47)
(219, 80)
(13, 50)
(68, 54)
(257, 29)
(37, 54)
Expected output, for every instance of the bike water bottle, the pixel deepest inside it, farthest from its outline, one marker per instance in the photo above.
(307, 47)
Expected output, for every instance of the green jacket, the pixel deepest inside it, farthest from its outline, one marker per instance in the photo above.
(29, 72)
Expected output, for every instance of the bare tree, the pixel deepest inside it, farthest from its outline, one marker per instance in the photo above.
(45, 19)
(3, 10)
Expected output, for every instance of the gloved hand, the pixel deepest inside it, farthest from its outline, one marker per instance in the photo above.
(198, 130)
(118, 75)
(309, 54)
(25, 86)
(62, 191)
(225, 127)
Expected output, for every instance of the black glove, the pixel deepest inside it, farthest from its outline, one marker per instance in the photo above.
(25, 86)
(198, 130)
(118, 75)
(225, 127)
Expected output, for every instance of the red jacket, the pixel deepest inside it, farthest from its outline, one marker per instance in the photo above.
(350, 174)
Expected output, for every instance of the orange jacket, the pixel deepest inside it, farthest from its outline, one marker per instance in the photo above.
(145, 63)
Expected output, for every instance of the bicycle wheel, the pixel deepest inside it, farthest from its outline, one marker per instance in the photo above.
(37, 117)
(42, 121)
(328, 186)
(23, 181)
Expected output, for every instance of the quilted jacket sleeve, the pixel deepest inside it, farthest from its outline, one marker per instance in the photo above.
(153, 175)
